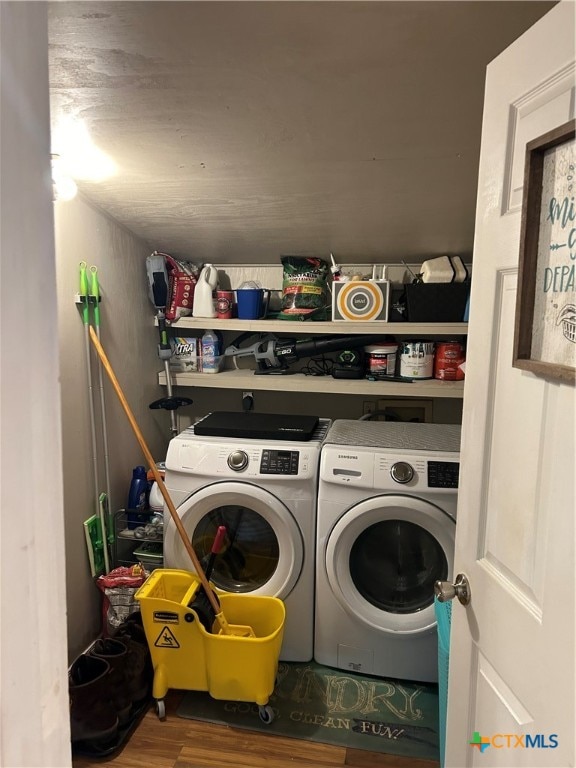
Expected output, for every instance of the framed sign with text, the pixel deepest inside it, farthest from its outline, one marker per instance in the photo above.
(545, 327)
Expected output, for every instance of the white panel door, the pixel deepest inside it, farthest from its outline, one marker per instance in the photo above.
(512, 648)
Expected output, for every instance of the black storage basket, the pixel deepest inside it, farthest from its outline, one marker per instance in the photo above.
(436, 302)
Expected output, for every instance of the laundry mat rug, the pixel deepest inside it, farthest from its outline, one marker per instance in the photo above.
(347, 710)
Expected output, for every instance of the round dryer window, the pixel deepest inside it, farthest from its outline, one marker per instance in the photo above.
(262, 551)
(382, 558)
(394, 564)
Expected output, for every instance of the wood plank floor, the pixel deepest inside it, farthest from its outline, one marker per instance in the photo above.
(180, 743)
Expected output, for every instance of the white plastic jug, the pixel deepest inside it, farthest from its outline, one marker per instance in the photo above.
(203, 305)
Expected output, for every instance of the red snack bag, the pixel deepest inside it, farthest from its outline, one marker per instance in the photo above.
(182, 279)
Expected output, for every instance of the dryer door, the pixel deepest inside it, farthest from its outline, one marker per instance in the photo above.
(263, 551)
(382, 558)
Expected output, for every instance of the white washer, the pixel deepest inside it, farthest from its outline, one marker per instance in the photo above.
(269, 509)
(385, 533)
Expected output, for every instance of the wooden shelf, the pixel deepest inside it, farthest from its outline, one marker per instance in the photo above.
(298, 382)
(298, 328)
(244, 378)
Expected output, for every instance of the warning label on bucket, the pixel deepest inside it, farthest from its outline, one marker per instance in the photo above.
(166, 639)
(166, 617)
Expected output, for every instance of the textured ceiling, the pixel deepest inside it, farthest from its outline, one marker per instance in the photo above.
(246, 130)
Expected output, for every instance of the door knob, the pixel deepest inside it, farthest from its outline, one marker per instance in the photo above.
(446, 591)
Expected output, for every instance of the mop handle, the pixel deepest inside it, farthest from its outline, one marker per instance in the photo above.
(152, 464)
(218, 541)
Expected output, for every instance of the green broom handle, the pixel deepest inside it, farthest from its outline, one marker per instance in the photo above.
(95, 296)
(86, 320)
(84, 293)
(95, 293)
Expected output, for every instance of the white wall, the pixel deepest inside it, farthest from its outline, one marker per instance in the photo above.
(130, 342)
(46, 462)
(34, 712)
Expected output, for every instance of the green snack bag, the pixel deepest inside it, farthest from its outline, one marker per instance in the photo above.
(304, 288)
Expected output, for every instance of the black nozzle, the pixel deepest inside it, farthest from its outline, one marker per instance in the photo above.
(159, 290)
(170, 403)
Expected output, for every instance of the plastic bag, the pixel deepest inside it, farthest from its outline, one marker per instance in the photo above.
(304, 288)
(119, 587)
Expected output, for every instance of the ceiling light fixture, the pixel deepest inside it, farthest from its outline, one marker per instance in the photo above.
(63, 187)
(78, 156)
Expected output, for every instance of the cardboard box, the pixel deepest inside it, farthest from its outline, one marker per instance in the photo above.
(360, 300)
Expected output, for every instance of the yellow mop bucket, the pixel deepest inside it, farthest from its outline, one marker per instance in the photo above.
(187, 657)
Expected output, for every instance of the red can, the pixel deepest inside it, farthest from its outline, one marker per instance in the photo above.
(449, 357)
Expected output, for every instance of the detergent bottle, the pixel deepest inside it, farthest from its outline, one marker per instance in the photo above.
(203, 305)
(137, 497)
(210, 352)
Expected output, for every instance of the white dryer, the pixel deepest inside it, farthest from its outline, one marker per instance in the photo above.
(264, 492)
(385, 533)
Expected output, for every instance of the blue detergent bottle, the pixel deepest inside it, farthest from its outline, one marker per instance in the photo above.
(137, 498)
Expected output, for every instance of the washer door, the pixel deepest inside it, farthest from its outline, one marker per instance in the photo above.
(382, 558)
(263, 550)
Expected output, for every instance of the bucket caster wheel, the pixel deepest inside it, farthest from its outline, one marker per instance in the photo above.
(266, 714)
(160, 709)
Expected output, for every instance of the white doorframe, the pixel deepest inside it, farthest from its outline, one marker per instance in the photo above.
(34, 719)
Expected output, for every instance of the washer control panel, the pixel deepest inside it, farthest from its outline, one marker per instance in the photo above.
(443, 474)
(279, 462)
(242, 459)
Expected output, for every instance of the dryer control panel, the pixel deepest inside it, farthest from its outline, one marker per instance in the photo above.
(362, 467)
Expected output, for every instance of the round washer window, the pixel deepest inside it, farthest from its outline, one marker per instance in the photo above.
(250, 552)
(394, 564)
(264, 551)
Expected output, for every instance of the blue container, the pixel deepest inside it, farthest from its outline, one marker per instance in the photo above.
(137, 497)
(443, 613)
